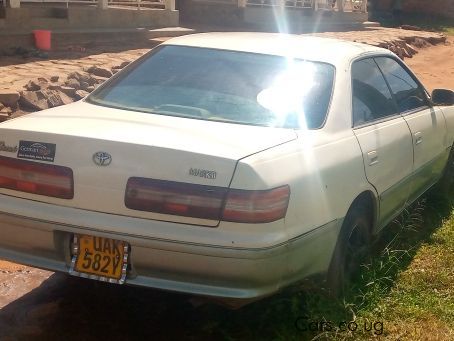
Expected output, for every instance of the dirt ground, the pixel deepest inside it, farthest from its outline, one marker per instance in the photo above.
(38, 304)
(434, 66)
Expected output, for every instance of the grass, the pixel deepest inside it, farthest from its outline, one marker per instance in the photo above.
(424, 21)
(416, 299)
(449, 30)
(405, 292)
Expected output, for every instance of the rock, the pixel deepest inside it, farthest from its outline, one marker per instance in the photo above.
(17, 113)
(121, 66)
(69, 91)
(73, 83)
(420, 43)
(437, 40)
(84, 85)
(74, 75)
(54, 78)
(92, 80)
(65, 98)
(32, 86)
(100, 71)
(411, 28)
(3, 116)
(5, 110)
(9, 97)
(393, 49)
(54, 86)
(34, 100)
(90, 88)
(401, 52)
(83, 77)
(80, 77)
(117, 68)
(1, 106)
(97, 80)
(81, 94)
(410, 49)
(36, 84)
(53, 98)
(406, 53)
(56, 98)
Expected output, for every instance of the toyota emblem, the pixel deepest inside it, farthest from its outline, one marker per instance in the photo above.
(102, 158)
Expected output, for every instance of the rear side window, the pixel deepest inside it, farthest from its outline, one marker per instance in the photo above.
(407, 92)
(372, 99)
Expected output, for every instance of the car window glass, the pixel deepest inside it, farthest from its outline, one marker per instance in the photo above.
(372, 99)
(408, 94)
(226, 86)
(362, 113)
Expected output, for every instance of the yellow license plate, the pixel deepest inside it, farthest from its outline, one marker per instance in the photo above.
(100, 258)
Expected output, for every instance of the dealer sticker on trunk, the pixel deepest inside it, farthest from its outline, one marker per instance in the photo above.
(36, 151)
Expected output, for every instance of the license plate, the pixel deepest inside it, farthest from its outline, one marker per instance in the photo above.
(99, 258)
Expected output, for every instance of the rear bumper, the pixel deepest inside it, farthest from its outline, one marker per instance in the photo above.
(218, 271)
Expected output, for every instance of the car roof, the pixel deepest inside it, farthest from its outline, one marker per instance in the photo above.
(333, 51)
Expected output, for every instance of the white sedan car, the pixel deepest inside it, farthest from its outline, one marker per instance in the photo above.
(224, 164)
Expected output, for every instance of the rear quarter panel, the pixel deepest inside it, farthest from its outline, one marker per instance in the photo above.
(325, 173)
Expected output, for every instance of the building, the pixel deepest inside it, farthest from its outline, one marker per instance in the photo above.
(282, 15)
(26, 15)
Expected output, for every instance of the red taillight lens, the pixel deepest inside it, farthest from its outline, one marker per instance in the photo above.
(256, 206)
(36, 178)
(176, 198)
(206, 202)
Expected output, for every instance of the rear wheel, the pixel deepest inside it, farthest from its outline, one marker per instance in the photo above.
(446, 183)
(351, 251)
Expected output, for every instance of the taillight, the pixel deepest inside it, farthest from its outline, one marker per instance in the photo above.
(206, 202)
(36, 178)
(256, 206)
(175, 198)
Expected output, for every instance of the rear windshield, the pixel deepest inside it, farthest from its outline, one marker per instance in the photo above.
(228, 86)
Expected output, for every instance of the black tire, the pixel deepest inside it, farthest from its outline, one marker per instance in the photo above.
(351, 250)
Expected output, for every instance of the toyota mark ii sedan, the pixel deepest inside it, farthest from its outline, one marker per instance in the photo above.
(228, 165)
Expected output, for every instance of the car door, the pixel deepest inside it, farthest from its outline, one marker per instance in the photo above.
(427, 124)
(384, 138)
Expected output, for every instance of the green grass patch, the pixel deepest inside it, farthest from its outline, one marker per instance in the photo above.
(424, 21)
(449, 30)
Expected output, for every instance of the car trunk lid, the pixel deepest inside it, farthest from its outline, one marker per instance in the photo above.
(139, 145)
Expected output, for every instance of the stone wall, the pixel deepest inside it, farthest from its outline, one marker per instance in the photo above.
(443, 8)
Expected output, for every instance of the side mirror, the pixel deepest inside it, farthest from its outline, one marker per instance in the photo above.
(443, 97)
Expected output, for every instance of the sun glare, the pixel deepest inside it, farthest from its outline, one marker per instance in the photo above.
(286, 95)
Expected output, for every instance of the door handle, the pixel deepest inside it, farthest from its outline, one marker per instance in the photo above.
(418, 138)
(372, 157)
